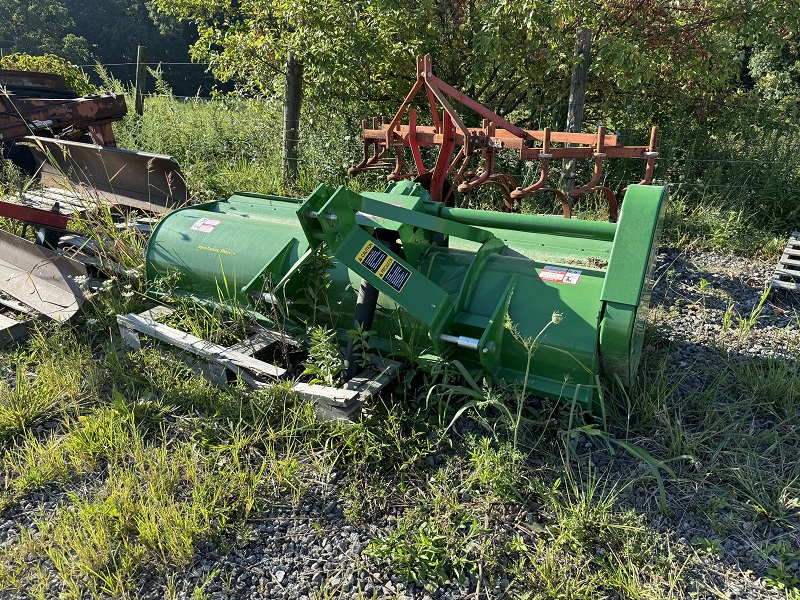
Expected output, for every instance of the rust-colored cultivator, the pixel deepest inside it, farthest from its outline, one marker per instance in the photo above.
(461, 148)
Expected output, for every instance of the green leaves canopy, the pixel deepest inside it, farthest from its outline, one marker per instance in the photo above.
(508, 53)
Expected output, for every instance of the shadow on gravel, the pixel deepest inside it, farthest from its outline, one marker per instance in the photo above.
(718, 396)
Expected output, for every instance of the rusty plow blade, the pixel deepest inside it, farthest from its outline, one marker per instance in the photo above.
(150, 182)
(46, 281)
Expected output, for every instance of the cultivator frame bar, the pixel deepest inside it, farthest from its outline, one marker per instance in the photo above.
(460, 144)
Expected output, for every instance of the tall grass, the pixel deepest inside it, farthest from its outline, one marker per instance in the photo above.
(232, 144)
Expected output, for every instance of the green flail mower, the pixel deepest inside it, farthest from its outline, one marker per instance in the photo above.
(457, 283)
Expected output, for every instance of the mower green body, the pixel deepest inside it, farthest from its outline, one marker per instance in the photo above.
(459, 284)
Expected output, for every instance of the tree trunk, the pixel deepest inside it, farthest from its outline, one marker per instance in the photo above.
(291, 117)
(577, 96)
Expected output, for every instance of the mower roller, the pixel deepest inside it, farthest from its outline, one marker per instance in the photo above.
(425, 278)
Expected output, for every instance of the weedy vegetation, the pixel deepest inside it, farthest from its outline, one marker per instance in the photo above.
(141, 460)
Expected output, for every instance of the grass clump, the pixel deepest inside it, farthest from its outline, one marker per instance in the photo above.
(772, 385)
(51, 379)
(154, 506)
(588, 547)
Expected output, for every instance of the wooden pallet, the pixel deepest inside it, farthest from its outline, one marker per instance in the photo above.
(54, 199)
(219, 364)
(787, 273)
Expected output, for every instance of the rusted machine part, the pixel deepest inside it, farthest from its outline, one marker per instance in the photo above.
(35, 216)
(506, 184)
(545, 155)
(566, 204)
(31, 84)
(592, 186)
(597, 156)
(69, 118)
(374, 152)
(449, 132)
(489, 154)
(40, 278)
(150, 182)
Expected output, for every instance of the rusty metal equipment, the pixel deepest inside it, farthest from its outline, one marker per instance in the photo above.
(40, 123)
(461, 148)
(27, 108)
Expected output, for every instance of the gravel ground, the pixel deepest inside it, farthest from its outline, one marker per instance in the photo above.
(313, 551)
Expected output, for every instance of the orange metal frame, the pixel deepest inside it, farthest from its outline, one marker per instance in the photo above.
(459, 144)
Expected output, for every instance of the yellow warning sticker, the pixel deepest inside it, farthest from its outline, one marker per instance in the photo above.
(384, 266)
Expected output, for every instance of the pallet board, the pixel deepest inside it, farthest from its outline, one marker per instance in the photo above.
(230, 359)
(65, 202)
(787, 273)
(220, 361)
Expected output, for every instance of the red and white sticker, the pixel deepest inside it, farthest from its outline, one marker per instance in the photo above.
(205, 225)
(560, 275)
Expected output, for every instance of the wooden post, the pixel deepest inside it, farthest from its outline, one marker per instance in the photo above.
(577, 97)
(291, 117)
(141, 78)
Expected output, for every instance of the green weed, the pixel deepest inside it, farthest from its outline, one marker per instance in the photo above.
(324, 362)
(772, 385)
(51, 379)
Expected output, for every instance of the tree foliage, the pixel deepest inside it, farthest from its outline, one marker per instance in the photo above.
(107, 31)
(513, 55)
(40, 26)
(76, 78)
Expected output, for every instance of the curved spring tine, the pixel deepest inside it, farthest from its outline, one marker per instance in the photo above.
(566, 202)
(468, 186)
(520, 193)
(599, 155)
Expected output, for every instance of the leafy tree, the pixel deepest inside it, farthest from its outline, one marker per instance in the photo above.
(40, 27)
(76, 79)
(775, 73)
(107, 31)
(509, 54)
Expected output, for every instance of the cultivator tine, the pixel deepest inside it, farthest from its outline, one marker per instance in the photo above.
(651, 154)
